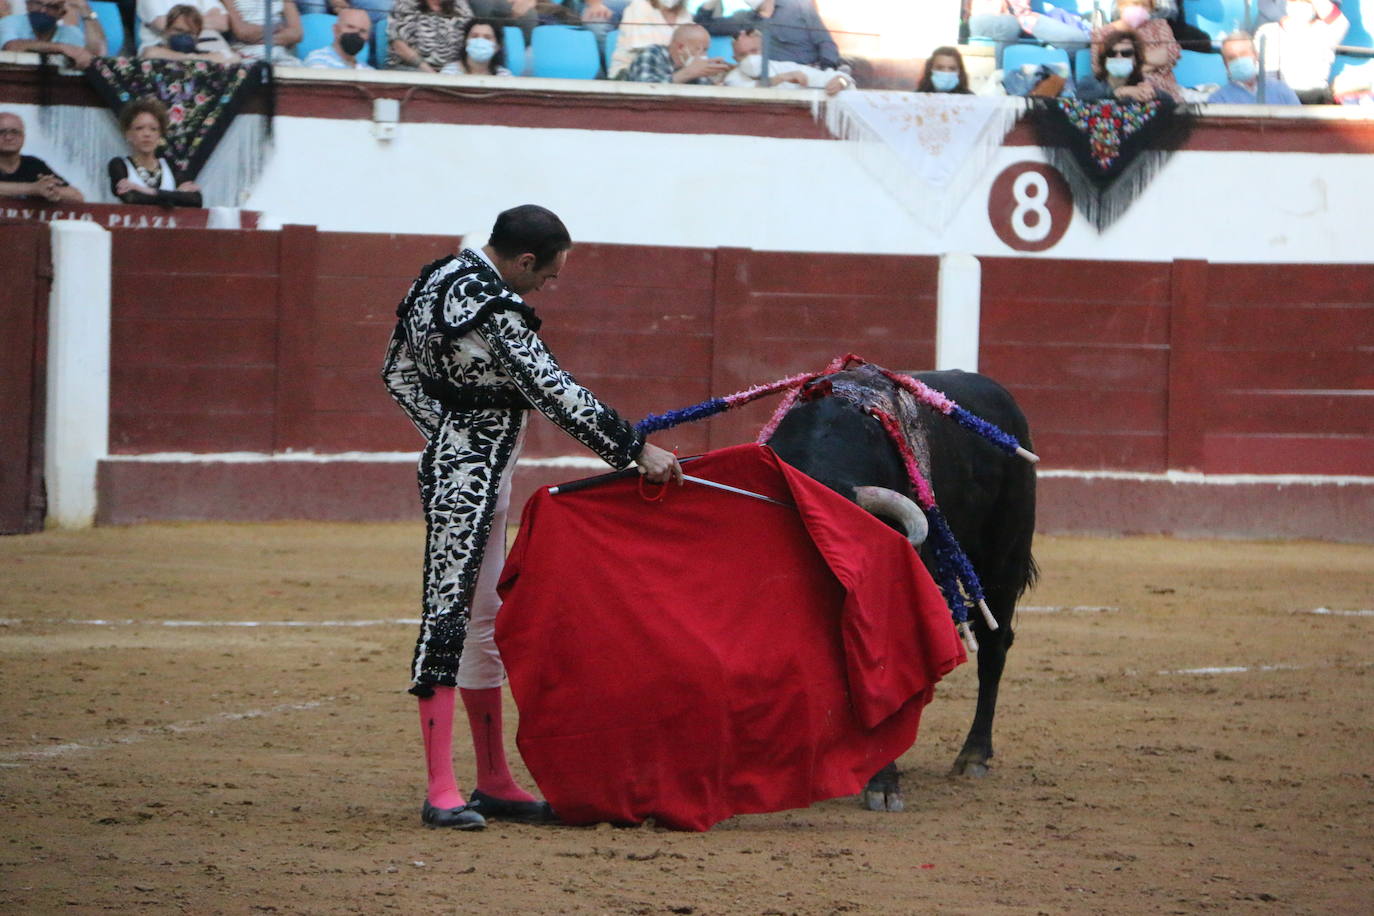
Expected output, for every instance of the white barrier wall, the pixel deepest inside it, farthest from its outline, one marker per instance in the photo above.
(704, 190)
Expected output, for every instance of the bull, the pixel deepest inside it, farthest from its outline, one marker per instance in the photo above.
(987, 497)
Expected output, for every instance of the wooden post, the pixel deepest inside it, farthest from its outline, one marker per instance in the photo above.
(1187, 401)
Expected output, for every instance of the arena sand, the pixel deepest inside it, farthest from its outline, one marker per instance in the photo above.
(1177, 734)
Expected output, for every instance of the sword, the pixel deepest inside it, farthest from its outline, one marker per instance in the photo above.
(586, 482)
(729, 489)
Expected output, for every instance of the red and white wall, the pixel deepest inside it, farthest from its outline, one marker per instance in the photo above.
(1201, 368)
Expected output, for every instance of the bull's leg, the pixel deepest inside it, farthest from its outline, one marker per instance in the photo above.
(884, 790)
(992, 657)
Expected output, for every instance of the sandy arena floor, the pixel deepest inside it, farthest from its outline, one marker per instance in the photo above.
(1178, 733)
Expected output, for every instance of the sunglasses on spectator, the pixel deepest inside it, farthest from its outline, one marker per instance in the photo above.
(55, 8)
(1126, 52)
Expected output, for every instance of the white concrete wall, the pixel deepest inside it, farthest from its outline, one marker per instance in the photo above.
(801, 195)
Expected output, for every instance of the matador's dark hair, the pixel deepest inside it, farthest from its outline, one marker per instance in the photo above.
(530, 229)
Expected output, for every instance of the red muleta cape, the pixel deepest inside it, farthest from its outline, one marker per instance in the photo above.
(711, 654)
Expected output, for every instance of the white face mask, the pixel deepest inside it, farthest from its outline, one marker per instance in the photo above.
(1120, 67)
(754, 4)
(670, 4)
(1135, 16)
(752, 66)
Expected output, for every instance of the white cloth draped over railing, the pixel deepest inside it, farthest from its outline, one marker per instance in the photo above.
(928, 150)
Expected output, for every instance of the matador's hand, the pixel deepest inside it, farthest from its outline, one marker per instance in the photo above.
(658, 465)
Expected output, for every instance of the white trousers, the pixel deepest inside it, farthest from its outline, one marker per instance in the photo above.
(480, 665)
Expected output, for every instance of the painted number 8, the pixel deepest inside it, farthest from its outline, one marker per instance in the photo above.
(1031, 192)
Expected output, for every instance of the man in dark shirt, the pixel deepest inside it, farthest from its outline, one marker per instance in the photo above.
(794, 29)
(27, 176)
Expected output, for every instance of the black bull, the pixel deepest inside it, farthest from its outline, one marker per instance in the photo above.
(987, 496)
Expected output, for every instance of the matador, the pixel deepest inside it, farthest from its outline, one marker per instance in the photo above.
(466, 364)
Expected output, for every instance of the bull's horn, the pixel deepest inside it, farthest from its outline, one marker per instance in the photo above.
(886, 503)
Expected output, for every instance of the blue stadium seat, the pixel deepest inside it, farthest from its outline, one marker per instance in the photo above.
(722, 46)
(1359, 35)
(612, 38)
(108, 14)
(318, 32)
(513, 42)
(1220, 17)
(1083, 63)
(1347, 60)
(380, 42)
(1197, 68)
(1019, 55)
(565, 52)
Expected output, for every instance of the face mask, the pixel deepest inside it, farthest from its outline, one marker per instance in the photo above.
(944, 80)
(351, 42)
(481, 49)
(1302, 12)
(182, 42)
(670, 4)
(42, 23)
(1135, 16)
(752, 66)
(753, 4)
(1120, 67)
(1242, 69)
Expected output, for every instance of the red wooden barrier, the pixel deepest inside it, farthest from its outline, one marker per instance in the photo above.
(25, 275)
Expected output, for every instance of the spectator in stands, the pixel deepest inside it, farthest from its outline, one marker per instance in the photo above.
(376, 10)
(246, 34)
(186, 38)
(1118, 70)
(944, 72)
(1004, 21)
(748, 50)
(426, 35)
(645, 23)
(682, 60)
(796, 32)
(142, 177)
(1301, 47)
(483, 52)
(352, 29)
(1242, 66)
(1154, 35)
(41, 30)
(153, 16)
(28, 176)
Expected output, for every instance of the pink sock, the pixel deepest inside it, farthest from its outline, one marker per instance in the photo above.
(493, 773)
(436, 727)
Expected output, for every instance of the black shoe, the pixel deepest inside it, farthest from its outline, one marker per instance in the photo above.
(499, 809)
(462, 817)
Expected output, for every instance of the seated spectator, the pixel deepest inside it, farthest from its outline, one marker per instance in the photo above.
(483, 52)
(945, 72)
(1301, 47)
(352, 29)
(1118, 71)
(645, 23)
(40, 30)
(142, 177)
(28, 176)
(153, 16)
(246, 33)
(682, 60)
(186, 38)
(1154, 35)
(796, 32)
(1188, 36)
(426, 35)
(748, 50)
(1242, 66)
(1004, 21)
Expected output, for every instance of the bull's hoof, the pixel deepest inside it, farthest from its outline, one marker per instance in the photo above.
(882, 801)
(973, 768)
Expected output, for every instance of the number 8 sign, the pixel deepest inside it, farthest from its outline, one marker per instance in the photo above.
(1030, 206)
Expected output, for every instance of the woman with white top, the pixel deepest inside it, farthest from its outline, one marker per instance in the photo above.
(144, 177)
